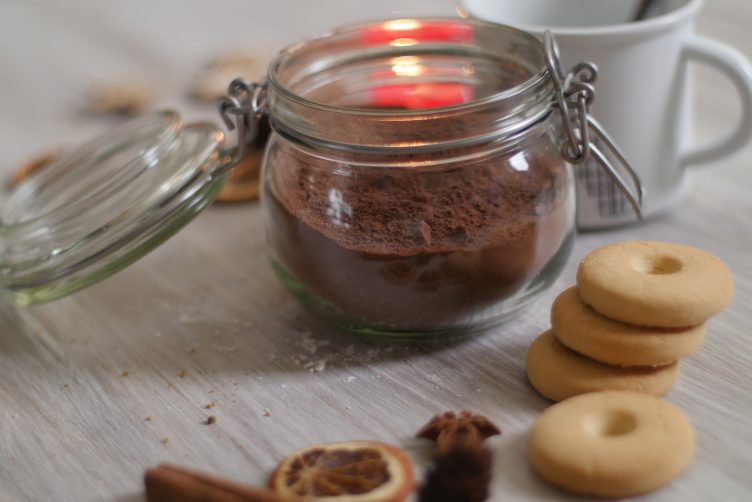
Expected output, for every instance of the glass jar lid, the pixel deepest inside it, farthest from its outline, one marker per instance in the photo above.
(105, 205)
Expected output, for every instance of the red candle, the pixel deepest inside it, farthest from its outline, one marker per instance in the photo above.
(420, 95)
(402, 31)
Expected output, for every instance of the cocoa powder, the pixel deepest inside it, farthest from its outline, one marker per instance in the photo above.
(434, 239)
(417, 248)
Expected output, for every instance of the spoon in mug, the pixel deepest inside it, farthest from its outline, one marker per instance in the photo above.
(642, 10)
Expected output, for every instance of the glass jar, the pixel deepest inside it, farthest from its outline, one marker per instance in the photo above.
(414, 183)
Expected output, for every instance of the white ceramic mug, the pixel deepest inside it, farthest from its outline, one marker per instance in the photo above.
(642, 91)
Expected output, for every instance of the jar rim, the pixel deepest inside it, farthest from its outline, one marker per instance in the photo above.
(540, 76)
(463, 82)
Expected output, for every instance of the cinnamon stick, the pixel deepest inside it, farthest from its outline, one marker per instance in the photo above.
(172, 483)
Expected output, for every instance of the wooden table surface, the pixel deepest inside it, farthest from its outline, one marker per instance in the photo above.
(203, 319)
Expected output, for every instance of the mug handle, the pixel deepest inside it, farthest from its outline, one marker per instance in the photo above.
(737, 68)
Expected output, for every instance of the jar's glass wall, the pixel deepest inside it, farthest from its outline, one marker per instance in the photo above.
(414, 182)
(416, 243)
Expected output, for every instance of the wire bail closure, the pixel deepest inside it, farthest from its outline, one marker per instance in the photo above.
(575, 93)
(241, 110)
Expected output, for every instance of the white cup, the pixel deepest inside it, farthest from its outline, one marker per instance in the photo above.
(642, 92)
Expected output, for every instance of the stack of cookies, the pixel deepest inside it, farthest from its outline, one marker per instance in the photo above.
(638, 307)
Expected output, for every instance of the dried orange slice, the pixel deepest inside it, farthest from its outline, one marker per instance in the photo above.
(351, 471)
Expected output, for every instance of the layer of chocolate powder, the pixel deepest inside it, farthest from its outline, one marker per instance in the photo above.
(405, 211)
(418, 248)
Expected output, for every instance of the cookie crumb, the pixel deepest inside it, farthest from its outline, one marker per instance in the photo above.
(210, 405)
(211, 419)
(124, 373)
(148, 419)
(165, 440)
(210, 391)
(267, 412)
(183, 373)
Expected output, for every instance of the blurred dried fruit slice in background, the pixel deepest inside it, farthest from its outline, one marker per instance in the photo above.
(122, 97)
(211, 83)
(35, 164)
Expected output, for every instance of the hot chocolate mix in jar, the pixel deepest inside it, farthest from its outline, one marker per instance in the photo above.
(416, 189)
(419, 246)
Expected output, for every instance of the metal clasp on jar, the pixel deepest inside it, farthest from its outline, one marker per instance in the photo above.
(240, 109)
(575, 93)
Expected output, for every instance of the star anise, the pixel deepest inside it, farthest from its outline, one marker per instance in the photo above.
(448, 429)
(461, 473)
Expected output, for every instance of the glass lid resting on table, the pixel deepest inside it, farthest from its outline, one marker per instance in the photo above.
(105, 205)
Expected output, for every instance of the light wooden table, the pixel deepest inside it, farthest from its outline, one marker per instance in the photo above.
(75, 428)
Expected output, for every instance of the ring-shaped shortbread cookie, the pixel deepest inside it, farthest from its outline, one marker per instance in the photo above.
(557, 372)
(649, 283)
(611, 444)
(583, 330)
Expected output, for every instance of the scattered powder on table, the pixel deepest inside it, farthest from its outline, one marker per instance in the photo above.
(316, 366)
(317, 354)
(435, 381)
(309, 343)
